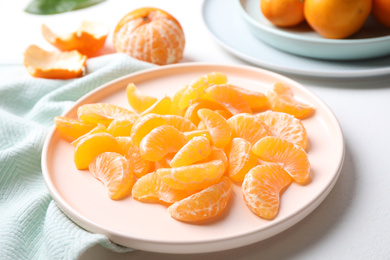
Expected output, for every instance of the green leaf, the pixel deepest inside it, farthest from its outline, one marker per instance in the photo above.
(58, 6)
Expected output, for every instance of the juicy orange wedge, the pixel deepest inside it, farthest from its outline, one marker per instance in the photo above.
(54, 65)
(241, 159)
(205, 204)
(70, 129)
(138, 100)
(195, 150)
(89, 38)
(262, 187)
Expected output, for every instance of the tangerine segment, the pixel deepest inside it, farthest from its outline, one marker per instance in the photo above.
(191, 134)
(285, 126)
(197, 88)
(256, 100)
(241, 159)
(175, 110)
(150, 188)
(54, 65)
(70, 129)
(89, 38)
(91, 146)
(216, 124)
(146, 124)
(291, 157)
(121, 126)
(180, 123)
(137, 100)
(217, 154)
(161, 141)
(192, 111)
(113, 171)
(151, 35)
(139, 165)
(262, 187)
(192, 177)
(248, 127)
(205, 204)
(195, 150)
(281, 99)
(101, 113)
(229, 97)
(97, 129)
(161, 107)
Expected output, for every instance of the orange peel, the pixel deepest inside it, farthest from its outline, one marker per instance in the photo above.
(54, 65)
(88, 39)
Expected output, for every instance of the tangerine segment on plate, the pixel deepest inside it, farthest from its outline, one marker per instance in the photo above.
(281, 99)
(217, 154)
(150, 188)
(193, 177)
(101, 113)
(97, 129)
(91, 146)
(121, 126)
(285, 126)
(89, 38)
(195, 150)
(216, 124)
(128, 149)
(54, 65)
(262, 188)
(113, 171)
(161, 107)
(191, 112)
(161, 141)
(180, 123)
(137, 100)
(241, 159)
(70, 129)
(256, 100)
(146, 124)
(248, 127)
(205, 204)
(191, 134)
(151, 35)
(196, 89)
(228, 96)
(291, 157)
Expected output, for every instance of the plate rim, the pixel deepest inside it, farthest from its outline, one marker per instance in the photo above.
(161, 246)
(314, 73)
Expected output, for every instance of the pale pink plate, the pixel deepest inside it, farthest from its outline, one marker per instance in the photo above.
(148, 226)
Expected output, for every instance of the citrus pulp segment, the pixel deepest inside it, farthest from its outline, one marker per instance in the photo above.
(144, 125)
(101, 113)
(195, 150)
(216, 124)
(70, 129)
(138, 100)
(241, 159)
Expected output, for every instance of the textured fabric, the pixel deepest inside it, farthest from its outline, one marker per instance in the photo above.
(31, 225)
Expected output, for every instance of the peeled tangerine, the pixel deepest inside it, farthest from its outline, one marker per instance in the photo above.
(54, 65)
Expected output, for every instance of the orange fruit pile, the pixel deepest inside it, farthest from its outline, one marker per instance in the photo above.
(188, 150)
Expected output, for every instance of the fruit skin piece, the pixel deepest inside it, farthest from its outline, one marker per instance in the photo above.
(337, 19)
(192, 177)
(137, 100)
(150, 34)
(195, 150)
(54, 65)
(381, 11)
(113, 171)
(262, 187)
(88, 39)
(91, 146)
(150, 188)
(291, 157)
(281, 99)
(216, 124)
(285, 126)
(241, 159)
(283, 13)
(205, 204)
(161, 141)
(70, 129)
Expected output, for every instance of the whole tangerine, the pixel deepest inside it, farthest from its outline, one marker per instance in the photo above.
(283, 13)
(150, 34)
(381, 11)
(337, 19)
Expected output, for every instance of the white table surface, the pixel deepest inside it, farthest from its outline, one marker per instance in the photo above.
(353, 222)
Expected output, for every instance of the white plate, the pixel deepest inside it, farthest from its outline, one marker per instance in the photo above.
(226, 26)
(372, 40)
(148, 226)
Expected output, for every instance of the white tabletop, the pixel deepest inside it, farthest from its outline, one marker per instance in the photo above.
(352, 222)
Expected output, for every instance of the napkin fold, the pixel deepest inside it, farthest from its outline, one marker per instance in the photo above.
(31, 224)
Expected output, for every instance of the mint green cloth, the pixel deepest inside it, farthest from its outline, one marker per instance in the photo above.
(31, 224)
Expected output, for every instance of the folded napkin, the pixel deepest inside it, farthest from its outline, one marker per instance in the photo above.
(31, 224)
